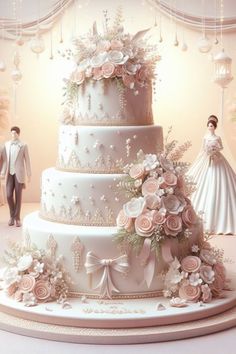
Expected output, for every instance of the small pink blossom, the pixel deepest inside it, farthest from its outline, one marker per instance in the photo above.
(191, 264)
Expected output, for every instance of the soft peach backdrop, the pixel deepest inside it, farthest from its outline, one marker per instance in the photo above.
(186, 94)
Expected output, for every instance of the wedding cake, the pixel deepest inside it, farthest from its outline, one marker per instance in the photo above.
(115, 209)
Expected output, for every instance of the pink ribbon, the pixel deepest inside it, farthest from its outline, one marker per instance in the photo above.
(166, 252)
(148, 261)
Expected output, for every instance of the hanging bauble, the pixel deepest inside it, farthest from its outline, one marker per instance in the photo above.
(37, 44)
(2, 66)
(184, 47)
(204, 44)
(20, 41)
(16, 75)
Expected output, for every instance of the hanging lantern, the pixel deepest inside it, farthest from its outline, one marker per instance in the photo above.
(222, 74)
(37, 44)
(204, 44)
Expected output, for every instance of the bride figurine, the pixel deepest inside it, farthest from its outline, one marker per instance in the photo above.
(215, 194)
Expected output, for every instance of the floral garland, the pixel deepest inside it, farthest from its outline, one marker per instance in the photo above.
(200, 276)
(158, 208)
(112, 55)
(34, 276)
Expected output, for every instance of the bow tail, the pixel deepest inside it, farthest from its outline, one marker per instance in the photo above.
(106, 285)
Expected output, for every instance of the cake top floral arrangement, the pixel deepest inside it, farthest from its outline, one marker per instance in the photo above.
(113, 55)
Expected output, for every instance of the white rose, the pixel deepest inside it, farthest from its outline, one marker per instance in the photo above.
(24, 262)
(117, 57)
(98, 60)
(11, 276)
(134, 207)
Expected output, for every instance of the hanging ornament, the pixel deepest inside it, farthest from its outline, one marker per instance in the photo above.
(16, 73)
(37, 44)
(204, 44)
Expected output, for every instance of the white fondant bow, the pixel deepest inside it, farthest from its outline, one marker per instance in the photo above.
(93, 264)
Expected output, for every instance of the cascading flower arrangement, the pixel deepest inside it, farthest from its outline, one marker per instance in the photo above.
(198, 277)
(34, 276)
(112, 55)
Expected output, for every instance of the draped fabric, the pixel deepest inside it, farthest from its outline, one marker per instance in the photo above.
(215, 194)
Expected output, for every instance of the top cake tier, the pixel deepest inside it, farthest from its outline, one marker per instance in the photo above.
(108, 102)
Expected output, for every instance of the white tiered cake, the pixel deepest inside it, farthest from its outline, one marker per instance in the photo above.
(114, 213)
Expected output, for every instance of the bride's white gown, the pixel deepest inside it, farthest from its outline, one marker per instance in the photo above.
(215, 193)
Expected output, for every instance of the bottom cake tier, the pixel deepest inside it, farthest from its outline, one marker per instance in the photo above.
(97, 267)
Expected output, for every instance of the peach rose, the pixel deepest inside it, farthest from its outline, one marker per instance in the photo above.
(153, 202)
(134, 207)
(158, 218)
(189, 216)
(123, 221)
(173, 225)
(150, 186)
(144, 225)
(136, 171)
(97, 73)
(189, 292)
(190, 264)
(108, 69)
(128, 81)
(26, 283)
(169, 179)
(42, 290)
(207, 274)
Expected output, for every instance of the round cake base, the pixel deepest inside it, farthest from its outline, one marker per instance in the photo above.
(113, 322)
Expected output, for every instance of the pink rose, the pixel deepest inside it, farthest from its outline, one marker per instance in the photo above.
(169, 180)
(128, 81)
(207, 274)
(42, 290)
(136, 171)
(108, 69)
(141, 75)
(123, 221)
(172, 204)
(144, 225)
(158, 218)
(189, 292)
(153, 202)
(119, 71)
(150, 186)
(189, 216)
(97, 73)
(206, 293)
(190, 264)
(116, 44)
(26, 283)
(173, 225)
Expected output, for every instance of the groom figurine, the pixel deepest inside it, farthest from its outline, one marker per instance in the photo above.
(15, 162)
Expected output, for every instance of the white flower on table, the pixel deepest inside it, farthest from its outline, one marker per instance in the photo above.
(11, 276)
(195, 279)
(24, 262)
(29, 299)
